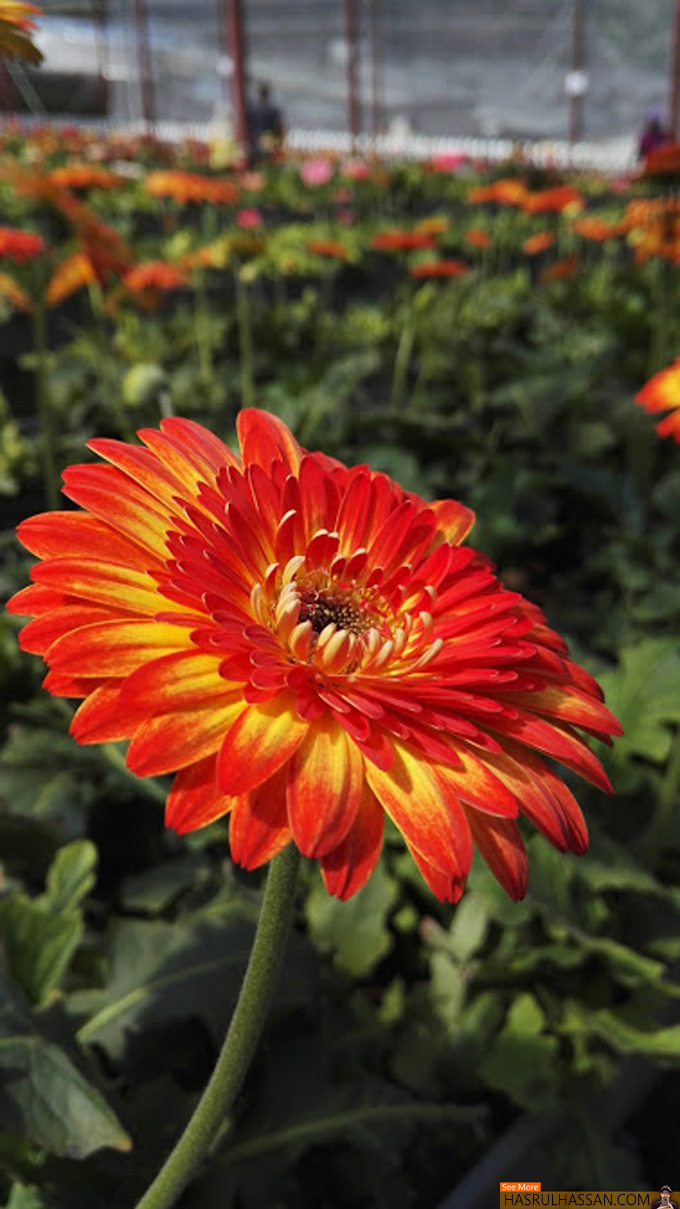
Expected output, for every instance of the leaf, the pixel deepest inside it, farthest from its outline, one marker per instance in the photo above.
(71, 876)
(38, 945)
(167, 971)
(644, 694)
(44, 1098)
(190, 969)
(621, 1036)
(41, 934)
(468, 927)
(355, 932)
(23, 1197)
(523, 1059)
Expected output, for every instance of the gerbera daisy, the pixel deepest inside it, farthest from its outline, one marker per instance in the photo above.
(662, 393)
(540, 242)
(439, 268)
(396, 240)
(307, 647)
(20, 246)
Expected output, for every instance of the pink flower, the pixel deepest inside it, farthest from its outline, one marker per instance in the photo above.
(448, 162)
(316, 172)
(355, 170)
(249, 218)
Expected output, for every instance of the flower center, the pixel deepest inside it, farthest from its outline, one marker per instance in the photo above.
(341, 607)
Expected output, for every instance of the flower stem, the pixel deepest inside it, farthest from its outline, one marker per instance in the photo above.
(242, 1036)
(50, 479)
(245, 339)
(403, 358)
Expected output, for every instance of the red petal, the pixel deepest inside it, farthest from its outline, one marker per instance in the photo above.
(421, 805)
(195, 799)
(350, 864)
(260, 741)
(168, 742)
(324, 788)
(258, 826)
(500, 843)
(265, 439)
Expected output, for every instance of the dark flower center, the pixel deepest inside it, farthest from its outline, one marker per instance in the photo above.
(333, 606)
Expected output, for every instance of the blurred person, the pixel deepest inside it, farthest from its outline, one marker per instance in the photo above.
(653, 134)
(265, 125)
(665, 1202)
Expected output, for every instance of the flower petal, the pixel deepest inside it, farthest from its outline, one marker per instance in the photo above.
(195, 798)
(500, 843)
(350, 864)
(258, 825)
(260, 741)
(324, 788)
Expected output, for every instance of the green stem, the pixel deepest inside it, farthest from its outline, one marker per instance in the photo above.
(242, 1036)
(50, 477)
(245, 340)
(403, 358)
(202, 337)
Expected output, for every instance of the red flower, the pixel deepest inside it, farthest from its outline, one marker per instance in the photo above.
(153, 275)
(561, 270)
(329, 248)
(506, 192)
(403, 241)
(307, 647)
(439, 268)
(540, 242)
(477, 238)
(662, 393)
(553, 201)
(85, 176)
(20, 246)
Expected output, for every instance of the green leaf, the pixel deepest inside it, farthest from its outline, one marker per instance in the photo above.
(644, 693)
(44, 1098)
(523, 1059)
(355, 932)
(621, 1036)
(41, 934)
(38, 945)
(161, 971)
(71, 876)
(22, 1197)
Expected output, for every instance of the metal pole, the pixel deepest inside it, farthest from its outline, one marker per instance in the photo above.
(352, 65)
(376, 69)
(235, 40)
(577, 65)
(144, 62)
(674, 91)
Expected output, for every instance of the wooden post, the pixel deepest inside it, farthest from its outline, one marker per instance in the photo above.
(144, 62)
(674, 90)
(352, 81)
(577, 65)
(377, 70)
(234, 33)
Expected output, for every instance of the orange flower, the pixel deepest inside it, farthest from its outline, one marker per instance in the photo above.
(506, 192)
(20, 246)
(307, 647)
(555, 200)
(436, 225)
(12, 291)
(439, 268)
(72, 274)
(16, 30)
(477, 238)
(560, 270)
(84, 176)
(396, 240)
(184, 187)
(595, 229)
(662, 393)
(540, 242)
(327, 247)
